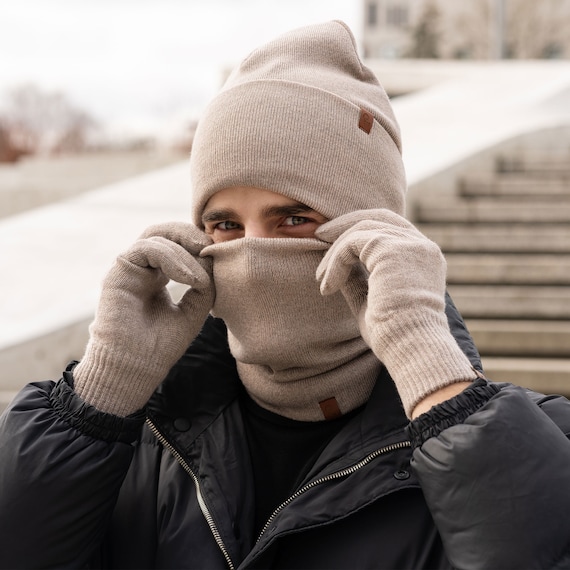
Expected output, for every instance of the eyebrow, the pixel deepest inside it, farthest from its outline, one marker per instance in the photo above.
(219, 214)
(286, 210)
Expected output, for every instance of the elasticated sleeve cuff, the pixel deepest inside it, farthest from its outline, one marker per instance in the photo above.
(89, 420)
(451, 412)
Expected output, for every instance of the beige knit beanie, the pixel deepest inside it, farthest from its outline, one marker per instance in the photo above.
(302, 116)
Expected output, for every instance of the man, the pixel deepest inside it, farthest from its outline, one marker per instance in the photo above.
(281, 438)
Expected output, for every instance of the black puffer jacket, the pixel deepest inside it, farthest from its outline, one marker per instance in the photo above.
(482, 481)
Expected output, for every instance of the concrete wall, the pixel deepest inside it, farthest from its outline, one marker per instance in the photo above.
(457, 115)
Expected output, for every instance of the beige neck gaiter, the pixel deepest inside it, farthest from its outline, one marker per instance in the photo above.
(298, 354)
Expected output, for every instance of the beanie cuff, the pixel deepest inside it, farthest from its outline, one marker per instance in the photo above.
(299, 141)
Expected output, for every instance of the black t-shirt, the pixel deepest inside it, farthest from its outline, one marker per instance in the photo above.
(282, 452)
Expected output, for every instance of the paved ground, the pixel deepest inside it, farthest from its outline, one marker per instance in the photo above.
(35, 181)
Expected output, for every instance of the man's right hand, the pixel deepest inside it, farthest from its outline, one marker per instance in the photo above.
(139, 332)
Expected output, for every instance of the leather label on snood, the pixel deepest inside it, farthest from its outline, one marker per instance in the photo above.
(330, 409)
(365, 121)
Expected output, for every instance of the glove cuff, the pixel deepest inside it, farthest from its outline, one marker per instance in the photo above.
(116, 383)
(422, 356)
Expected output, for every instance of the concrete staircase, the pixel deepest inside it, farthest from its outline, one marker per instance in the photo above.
(506, 237)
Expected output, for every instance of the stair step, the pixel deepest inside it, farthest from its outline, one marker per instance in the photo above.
(488, 210)
(519, 185)
(523, 268)
(537, 164)
(548, 376)
(550, 238)
(506, 237)
(521, 338)
(511, 301)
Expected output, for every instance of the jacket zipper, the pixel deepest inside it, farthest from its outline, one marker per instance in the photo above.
(203, 507)
(206, 512)
(336, 475)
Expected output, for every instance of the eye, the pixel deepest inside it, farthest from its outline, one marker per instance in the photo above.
(227, 225)
(295, 221)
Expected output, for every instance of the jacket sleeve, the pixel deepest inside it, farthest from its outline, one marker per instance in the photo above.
(61, 467)
(494, 465)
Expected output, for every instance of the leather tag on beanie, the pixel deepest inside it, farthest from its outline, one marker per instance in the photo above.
(330, 409)
(365, 121)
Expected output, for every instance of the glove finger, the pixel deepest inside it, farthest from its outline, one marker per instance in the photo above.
(335, 267)
(189, 236)
(172, 259)
(196, 304)
(360, 219)
(330, 231)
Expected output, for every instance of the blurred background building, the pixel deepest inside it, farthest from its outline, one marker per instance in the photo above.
(476, 29)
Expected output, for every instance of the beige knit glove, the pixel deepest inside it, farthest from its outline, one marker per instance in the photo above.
(403, 320)
(139, 332)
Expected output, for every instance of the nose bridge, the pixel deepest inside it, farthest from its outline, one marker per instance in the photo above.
(255, 227)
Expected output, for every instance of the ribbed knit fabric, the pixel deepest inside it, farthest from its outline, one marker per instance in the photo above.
(293, 118)
(294, 347)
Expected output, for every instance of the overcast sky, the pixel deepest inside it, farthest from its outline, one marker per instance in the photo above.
(125, 60)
